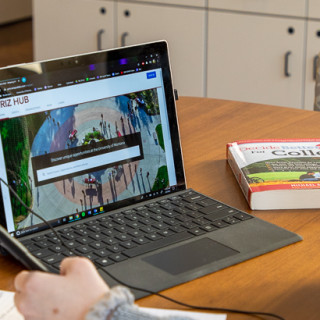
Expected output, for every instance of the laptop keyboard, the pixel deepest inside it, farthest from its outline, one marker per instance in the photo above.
(116, 237)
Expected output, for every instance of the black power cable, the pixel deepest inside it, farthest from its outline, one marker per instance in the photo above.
(190, 306)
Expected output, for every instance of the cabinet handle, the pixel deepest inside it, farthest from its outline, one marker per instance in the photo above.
(315, 63)
(123, 39)
(99, 34)
(286, 64)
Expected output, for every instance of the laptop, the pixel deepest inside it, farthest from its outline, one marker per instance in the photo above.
(91, 143)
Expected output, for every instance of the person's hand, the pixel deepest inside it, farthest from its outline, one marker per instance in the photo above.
(70, 295)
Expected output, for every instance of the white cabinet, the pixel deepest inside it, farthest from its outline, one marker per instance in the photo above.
(184, 29)
(255, 58)
(68, 27)
(251, 50)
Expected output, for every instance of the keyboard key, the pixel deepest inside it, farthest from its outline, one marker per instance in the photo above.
(193, 206)
(197, 231)
(96, 245)
(153, 236)
(200, 221)
(231, 220)
(170, 214)
(84, 240)
(135, 224)
(135, 233)
(148, 229)
(220, 224)
(96, 236)
(195, 214)
(71, 244)
(177, 228)
(103, 262)
(166, 233)
(58, 248)
(123, 237)
(57, 258)
(42, 253)
(39, 238)
(91, 256)
(193, 197)
(115, 248)
(68, 235)
(110, 241)
(140, 240)
(206, 202)
(189, 225)
(242, 216)
(208, 228)
(84, 249)
(117, 257)
(43, 243)
(218, 215)
(102, 253)
(128, 244)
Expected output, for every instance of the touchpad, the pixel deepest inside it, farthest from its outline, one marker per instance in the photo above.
(190, 256)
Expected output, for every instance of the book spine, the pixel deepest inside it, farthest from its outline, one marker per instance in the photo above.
(239, 175)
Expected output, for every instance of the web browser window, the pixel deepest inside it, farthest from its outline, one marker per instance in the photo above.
(75, 143)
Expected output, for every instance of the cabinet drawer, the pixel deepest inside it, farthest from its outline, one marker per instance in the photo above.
(189, 3)
(283, 7)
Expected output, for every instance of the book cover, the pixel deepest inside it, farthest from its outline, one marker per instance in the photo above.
(277, 174)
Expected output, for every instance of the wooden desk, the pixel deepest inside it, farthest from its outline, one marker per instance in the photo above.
(286, 281)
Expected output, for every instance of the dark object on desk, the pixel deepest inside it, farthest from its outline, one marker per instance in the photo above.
(19, 252)
(124, 231)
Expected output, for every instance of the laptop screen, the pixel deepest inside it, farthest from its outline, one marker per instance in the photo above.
(84, 135)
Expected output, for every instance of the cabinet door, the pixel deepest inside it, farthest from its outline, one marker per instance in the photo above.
(255, 58)
(183, 28)
(314, 9)
(313, 49)
(67, 27)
